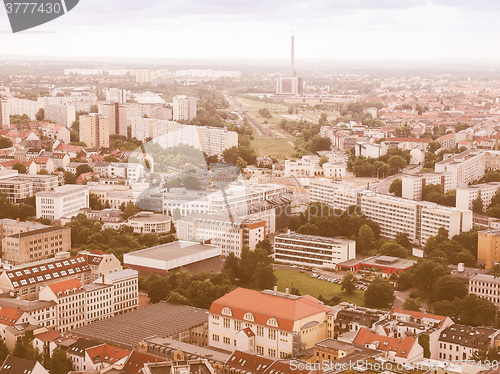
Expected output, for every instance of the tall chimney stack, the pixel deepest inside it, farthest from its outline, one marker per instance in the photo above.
(293, 55)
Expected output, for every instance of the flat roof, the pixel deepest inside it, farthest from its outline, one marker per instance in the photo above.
(314, 238)
(129, 329)
(63, 190)
(172, 250)
(485, 278)
(393, 262)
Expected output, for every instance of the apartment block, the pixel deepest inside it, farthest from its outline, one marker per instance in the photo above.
(269, 323)
(184, 108)
(413, 184)
(35, 245)
(63, 201)
(211, 140)
(98, 302)
(25, 281)
(464, 167)
(419, 219)
(117, 116)
(311, 250)
(487, 248)
(459, 342)
(94, 130)
(4, 113)
(231, 234)
(61, 114)
(125, 291)
(70, 298)
(485, 191)
(486, 286)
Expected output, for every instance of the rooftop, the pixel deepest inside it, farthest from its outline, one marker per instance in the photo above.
(171, 251)
(67, 189)
(162, 318)
(314, 238)
(14, 365)
(41, 231)
(468, 336)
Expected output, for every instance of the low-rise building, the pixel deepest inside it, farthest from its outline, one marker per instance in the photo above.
(312, 250)
(150, 223)
(404, 351)
(379, 264)
(163, 258)
(486, 286)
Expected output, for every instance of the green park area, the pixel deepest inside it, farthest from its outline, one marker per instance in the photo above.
(288, 278)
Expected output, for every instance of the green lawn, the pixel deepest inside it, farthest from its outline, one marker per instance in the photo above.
(314, 287)
(274, 147)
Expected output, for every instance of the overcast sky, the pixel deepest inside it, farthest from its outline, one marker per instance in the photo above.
(260, 29)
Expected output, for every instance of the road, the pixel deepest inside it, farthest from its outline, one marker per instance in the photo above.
(384, 184)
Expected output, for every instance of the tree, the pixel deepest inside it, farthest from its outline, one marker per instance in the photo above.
(43, 172)
(69, 178)
(94, 108)
(4, 351)
(391, 248)
(230, 155)
(242, 164)
(403, 132)
(477, 311)
(379, 294)
(426, 272)
(264, 276)
(94, 202)
(365, 239)
(402, 239)
(59, 363)
(323, 160)
(349, 283)
(21, 168)
(308, 229)
(264, 112)
(83, 168)
(448, 288)
(40, 115)
(5, 143)
(129, 210)
(477, 205)
(396, 187)
(412, 304)
(396, 162)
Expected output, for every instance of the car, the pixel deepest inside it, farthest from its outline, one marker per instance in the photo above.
(294, 266)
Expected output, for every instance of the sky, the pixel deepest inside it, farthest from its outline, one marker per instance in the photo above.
(260, 30)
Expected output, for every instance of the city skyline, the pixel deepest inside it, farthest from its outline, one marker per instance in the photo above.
(367, 30)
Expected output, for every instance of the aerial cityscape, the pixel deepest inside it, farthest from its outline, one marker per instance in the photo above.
(204, 188)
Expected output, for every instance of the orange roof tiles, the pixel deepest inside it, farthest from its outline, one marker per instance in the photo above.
(66, 285)
(264, 306)
(48, 336)
(9, 316)
(385, 343)
(106, 353)
(418, 315)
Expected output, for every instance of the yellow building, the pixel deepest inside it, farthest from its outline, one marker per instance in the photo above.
(94, 130)
(487, 248)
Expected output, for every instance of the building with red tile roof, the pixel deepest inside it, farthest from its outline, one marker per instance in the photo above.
(136, 360)
(104, 355)
(405, 350)
(270, 315)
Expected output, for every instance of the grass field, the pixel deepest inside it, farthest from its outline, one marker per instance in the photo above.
(314, 287)
(279, 148)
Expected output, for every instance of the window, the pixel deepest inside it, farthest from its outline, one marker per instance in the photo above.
(227, 312)
(215, 337)
(226, 340)
(227, 323)
(260, 349)
(249, 317)
(272, 322)
(272, 334)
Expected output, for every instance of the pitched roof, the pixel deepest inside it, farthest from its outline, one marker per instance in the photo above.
(419, 315)
(78, 348)
(285, 309)
(412, 140)
(66, 285)
(385, 343)
(106, 353)
(251, 363)
(48, 336)
(14, 365)
(136, 361)
(9, 316)
(41, 272)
